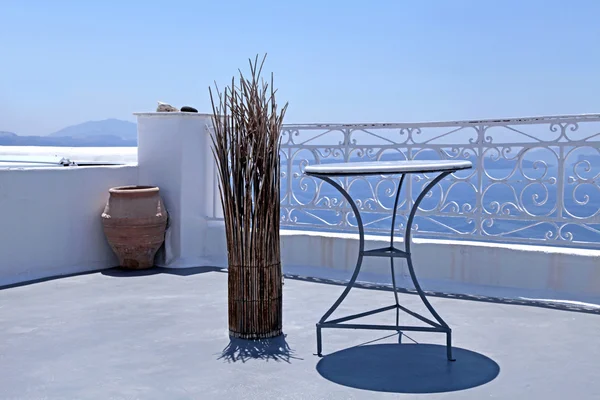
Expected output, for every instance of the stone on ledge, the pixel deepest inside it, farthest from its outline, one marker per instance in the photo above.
(188, 109)
(164, 107)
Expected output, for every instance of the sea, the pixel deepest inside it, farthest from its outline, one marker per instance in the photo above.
(519, 202)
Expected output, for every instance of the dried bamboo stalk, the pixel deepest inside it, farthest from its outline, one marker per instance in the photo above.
(246, 144)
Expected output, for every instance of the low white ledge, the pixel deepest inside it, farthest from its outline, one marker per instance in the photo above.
(485, 268)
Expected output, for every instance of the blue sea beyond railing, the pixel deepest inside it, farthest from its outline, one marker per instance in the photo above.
(534, 180)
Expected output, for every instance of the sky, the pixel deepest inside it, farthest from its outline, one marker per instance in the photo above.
(67, 62)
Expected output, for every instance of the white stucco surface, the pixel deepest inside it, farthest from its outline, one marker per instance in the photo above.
(489, 269)
(51, 220)
(174, 154)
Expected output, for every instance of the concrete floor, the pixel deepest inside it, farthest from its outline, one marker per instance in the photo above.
(163, 335)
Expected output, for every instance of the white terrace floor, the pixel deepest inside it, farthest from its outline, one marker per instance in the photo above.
(163, 335)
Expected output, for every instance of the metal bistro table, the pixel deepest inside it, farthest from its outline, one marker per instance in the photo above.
(326, 172)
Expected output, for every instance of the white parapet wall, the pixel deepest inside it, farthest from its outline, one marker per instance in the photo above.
(477, 268)
(52, 226)
(51, 222)
(174, 154)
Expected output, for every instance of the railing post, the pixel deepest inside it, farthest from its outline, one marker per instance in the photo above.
(560, 183)
(480, 174)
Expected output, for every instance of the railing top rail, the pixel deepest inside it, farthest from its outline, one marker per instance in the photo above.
(465, 123)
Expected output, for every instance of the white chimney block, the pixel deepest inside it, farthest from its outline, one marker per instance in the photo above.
(174, 153)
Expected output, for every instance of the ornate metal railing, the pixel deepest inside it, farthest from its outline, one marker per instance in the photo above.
(535, 180)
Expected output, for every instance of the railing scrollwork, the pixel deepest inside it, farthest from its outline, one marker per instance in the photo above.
(535, 180)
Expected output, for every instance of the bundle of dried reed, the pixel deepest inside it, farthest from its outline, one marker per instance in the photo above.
(246, 136)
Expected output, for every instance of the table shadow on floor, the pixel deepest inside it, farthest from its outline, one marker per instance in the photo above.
(407, 368)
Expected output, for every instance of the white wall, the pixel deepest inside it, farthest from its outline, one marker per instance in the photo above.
(174, 154)
(50, 220)
(491, 269)
(51, 225)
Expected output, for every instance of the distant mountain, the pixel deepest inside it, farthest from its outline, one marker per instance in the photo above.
(106, 128)
(106, 133)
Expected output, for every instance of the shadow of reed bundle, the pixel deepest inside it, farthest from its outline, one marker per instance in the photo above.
(246, 149)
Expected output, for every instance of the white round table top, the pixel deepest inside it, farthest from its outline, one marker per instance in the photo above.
(386, 167)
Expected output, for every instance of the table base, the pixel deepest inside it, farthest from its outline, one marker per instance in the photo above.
(439, 325)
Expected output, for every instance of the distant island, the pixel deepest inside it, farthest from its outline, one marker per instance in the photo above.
(106, 133)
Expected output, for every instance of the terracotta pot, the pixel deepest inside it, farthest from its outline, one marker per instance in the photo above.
(134, 223)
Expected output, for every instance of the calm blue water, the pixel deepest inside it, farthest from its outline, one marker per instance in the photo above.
(520, 197)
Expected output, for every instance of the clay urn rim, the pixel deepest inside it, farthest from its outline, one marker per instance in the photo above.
(134, 190)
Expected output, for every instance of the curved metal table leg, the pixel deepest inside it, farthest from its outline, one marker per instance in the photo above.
(393, 270)
(361, 233)
(411, 269)
(392, 237)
